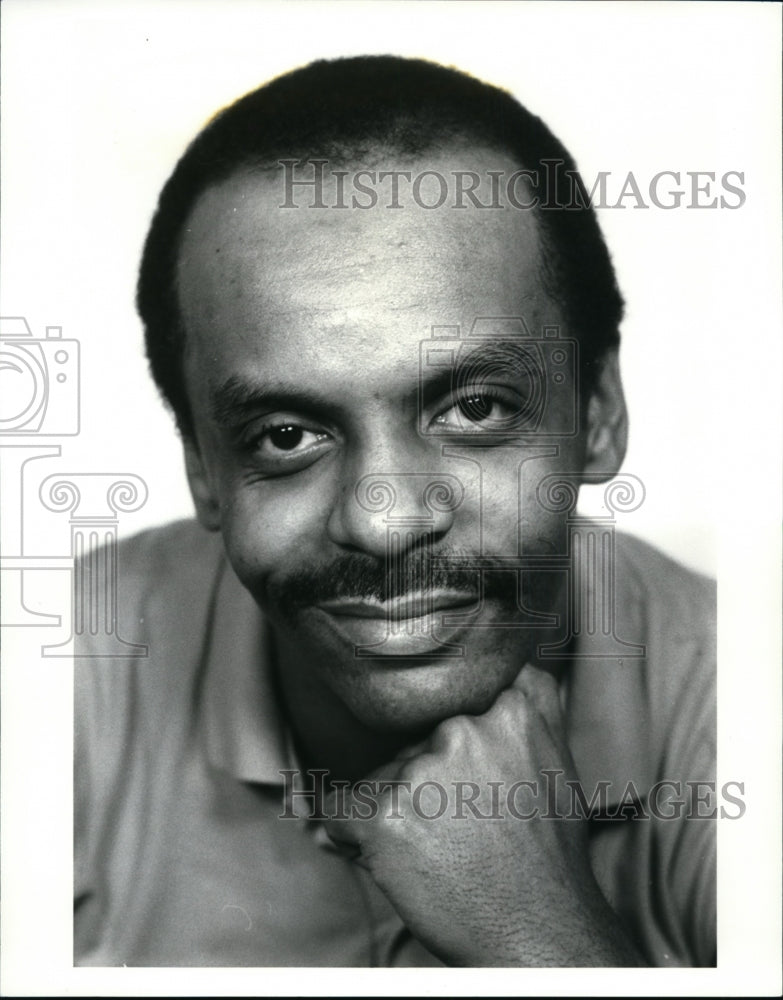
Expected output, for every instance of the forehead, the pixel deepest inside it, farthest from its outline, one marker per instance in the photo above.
(320, 287)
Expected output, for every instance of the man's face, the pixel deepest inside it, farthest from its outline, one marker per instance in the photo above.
(323, 428)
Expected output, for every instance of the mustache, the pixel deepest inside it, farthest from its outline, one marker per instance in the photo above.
(359, 576)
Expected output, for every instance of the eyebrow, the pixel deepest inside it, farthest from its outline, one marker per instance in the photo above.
(237, 399)
(474, 364)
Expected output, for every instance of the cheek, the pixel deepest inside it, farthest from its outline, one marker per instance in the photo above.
(267, 529)
(510, 517)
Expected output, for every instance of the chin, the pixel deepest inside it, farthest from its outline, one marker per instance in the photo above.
(414, 696)
(403, 694)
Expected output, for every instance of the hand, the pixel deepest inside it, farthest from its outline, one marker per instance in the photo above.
(478, 885)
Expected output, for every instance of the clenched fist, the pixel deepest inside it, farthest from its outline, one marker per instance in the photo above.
(475, 845)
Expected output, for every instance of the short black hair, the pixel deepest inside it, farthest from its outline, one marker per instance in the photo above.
(344, 109)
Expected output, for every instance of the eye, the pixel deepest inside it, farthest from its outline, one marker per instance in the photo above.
(287, 437)
(480, 410)
(282, 445)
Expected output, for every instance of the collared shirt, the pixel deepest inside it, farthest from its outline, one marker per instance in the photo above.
(181, 857)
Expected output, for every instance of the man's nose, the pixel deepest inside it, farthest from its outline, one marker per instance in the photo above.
(386, 513)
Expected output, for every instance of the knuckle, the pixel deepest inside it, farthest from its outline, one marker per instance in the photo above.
(450, 732)
(417, 768)
(512, 705)
(451, 727)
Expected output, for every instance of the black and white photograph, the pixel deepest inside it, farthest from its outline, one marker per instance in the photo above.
(391, 496)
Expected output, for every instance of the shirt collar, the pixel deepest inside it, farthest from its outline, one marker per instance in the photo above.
(606, 697)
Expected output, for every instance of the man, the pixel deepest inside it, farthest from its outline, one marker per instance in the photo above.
(401, 705)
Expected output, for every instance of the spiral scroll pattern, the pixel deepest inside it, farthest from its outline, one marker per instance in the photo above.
(557, 493)
(125, 495)
(443, 495)
(59, 494)
(624, 494)
(376, 494)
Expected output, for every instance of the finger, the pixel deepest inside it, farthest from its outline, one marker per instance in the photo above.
(337, 819)
(347, 849)
(415, 750)
(350, 812)
(541, 688)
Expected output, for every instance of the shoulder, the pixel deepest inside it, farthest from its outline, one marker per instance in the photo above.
(160, 574)
(160, 590)
(677, 608)
(667, 588)
(139, 651)
(141, 632)
(180, 551)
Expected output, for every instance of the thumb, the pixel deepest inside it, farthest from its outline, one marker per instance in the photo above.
(543, 690)
(337, 823)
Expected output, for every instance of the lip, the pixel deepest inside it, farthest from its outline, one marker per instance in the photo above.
(407, 626)
(410, 607)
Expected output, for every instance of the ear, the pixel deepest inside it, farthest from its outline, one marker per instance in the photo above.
(201, 489)
(607, 421)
